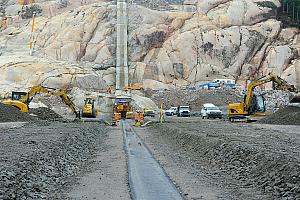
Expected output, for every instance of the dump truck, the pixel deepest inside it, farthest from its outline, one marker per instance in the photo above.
(122, 105)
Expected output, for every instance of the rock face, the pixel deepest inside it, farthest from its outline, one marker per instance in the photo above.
(179, 43)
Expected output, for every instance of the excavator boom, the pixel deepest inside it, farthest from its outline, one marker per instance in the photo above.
(23, 103)
(255, 104)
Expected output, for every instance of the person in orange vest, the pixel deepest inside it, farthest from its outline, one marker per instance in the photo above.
(136, 117)
(117, 117)
(142, 117)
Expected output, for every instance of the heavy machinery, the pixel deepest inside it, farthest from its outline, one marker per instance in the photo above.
(89, 109)
(133, 87)
(21, 100)
(254, 104)
(122, 105)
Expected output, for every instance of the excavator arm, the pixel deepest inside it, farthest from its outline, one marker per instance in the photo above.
(278, 83)
(62, 94)
(254, 104)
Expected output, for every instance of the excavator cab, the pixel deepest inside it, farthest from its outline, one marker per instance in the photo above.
(89, 109)
(257, 104)
(16, 101)
(17, 95)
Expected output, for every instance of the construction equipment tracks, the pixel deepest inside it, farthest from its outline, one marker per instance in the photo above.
(147, 179)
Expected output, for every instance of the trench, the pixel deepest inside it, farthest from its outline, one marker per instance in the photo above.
(147, 179)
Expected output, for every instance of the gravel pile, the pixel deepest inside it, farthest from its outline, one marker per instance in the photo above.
(45, 113)
(9, 113)
(37, 159)
(289, 115)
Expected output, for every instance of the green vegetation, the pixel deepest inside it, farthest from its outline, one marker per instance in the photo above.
(267, 4)
(290, 13)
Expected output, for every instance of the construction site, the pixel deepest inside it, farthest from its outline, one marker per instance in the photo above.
(149, 100)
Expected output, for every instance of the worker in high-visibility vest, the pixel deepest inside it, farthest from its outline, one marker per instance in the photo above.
(117, 117)
(142, 117)
(136, 117)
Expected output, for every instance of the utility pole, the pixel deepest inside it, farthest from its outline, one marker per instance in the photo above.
(122, 59)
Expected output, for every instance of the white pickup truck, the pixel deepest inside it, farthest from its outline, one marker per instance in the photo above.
(171, 111)
(183, 111)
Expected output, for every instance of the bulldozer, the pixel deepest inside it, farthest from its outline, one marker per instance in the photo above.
(254, 104)
(89, 109)
(21, 100)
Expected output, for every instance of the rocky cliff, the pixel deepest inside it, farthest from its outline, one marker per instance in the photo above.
(170, 42)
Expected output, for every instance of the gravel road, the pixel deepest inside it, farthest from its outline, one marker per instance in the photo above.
(106, 177)
(221, 160)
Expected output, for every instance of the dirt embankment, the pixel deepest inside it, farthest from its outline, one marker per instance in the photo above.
(250, 161)
(37, 159)
(194, 98)
(10, 113)
(286, 116)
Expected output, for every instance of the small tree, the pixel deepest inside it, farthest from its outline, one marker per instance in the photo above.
(28, 11)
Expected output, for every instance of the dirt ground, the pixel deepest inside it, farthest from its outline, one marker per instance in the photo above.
(221, 160)
(51, 159)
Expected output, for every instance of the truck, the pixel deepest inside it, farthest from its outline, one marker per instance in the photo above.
(183, 111)
(171, 111)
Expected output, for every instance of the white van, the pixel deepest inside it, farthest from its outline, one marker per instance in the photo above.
(225, 82)
(209, 110)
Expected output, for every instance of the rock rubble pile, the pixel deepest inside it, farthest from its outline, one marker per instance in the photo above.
(44, 113)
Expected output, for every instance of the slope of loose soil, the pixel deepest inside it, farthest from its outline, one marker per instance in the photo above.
(286, 116)
(11, 114)
(45, 113)
(37, 159)
(250, 161)
(194, 98)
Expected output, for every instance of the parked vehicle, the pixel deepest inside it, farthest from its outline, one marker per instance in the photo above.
(209, 110)
(229, 83)
(149, 112)
(171, 111)
(183, 111)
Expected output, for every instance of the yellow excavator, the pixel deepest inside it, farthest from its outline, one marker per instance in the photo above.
(89, 109)
(254, 104)
(21, 100)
